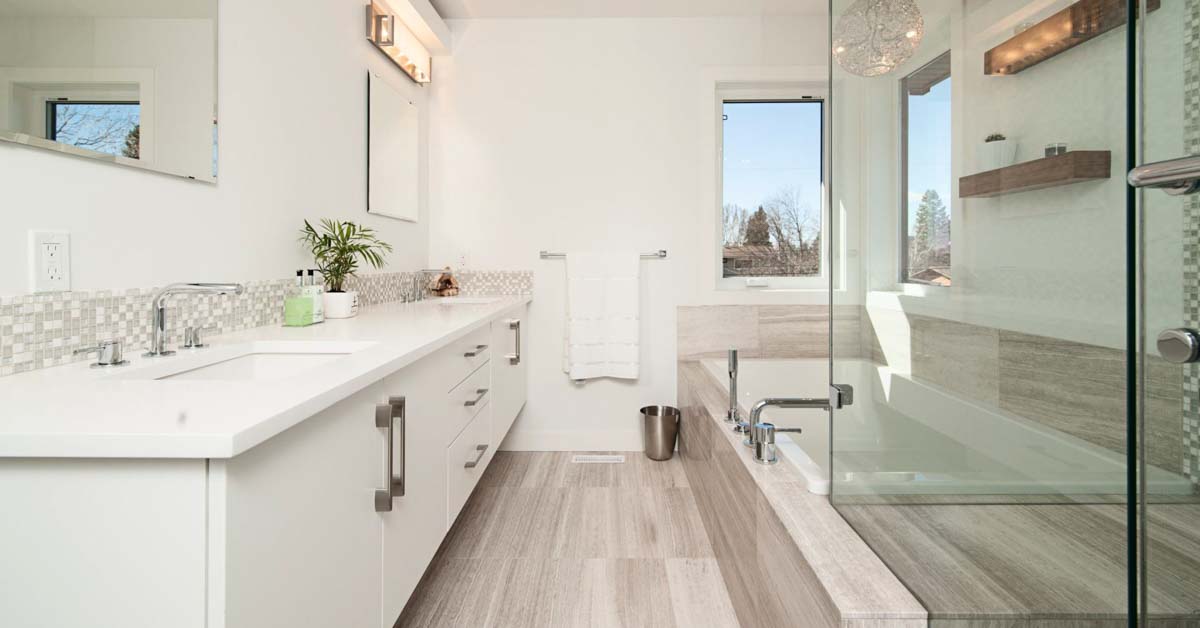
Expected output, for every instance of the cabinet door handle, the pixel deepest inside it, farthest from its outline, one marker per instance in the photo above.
(478, 349)
(385, 418)
(480, 450)
(515, 357)
(482, 392)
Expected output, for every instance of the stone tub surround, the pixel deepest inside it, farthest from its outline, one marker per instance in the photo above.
(787, 557)
(1072, 387)
(111, 413)
(768, 331)
(43, 330)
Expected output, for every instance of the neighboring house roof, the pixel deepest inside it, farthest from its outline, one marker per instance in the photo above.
(936, 276)
(747, 251)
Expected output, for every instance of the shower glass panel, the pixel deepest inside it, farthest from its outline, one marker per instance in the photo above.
(1168, 272)
(978, 197)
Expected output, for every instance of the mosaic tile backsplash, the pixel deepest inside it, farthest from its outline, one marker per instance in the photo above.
(43, 330)
(1191, 235)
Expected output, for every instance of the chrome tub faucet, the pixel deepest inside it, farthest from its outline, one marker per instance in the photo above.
(732, 415)
(158, 310)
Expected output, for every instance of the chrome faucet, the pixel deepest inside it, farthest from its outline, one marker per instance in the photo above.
(732, 415)
(158, 310)
(840, 395)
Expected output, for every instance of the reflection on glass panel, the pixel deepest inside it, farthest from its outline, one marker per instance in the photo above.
(771, 188)
(106, 127)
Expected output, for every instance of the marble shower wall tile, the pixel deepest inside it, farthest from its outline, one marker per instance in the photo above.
(43, 330)
(1080, 389)
(767, 331)
(965, 359)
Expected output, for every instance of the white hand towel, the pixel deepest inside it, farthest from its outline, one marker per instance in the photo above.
(602, 330)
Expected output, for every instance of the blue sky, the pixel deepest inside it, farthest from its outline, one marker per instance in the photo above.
(769, 146)
(928, 147)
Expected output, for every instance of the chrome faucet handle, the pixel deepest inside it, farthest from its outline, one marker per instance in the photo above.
(765, 451)
(193, 337)
(108, 353)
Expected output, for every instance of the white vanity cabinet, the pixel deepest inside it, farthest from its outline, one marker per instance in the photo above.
(510, 337)
(288, 533)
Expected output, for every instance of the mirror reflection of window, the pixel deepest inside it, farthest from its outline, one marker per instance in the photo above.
(107, 127)
(126, 82)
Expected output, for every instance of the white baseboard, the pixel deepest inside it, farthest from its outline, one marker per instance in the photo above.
(598, 440)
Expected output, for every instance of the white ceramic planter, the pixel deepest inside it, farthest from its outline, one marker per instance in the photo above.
(341, 304)
(993, 155)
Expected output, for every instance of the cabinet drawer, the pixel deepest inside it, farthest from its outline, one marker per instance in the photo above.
(454, 362)
(466, 459)
(467, 400)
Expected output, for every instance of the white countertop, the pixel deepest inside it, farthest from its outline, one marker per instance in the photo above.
(78, 412)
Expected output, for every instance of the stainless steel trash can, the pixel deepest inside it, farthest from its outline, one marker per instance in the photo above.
(660, 425)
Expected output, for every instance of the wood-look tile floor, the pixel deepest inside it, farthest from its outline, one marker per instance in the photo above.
(544, 541)
(1050, 561)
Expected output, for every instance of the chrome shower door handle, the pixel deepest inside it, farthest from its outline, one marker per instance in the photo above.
(515, 357)
(1174, 176)
(1179, 345)
(386, 415)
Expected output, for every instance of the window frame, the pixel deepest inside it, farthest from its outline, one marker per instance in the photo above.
(767, 93)
(902, 246)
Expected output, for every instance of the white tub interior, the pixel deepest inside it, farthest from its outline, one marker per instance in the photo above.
(901, 436)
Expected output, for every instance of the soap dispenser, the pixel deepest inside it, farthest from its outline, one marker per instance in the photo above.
(316, 292)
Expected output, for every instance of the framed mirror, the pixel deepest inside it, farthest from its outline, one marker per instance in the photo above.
(392, 151)
(131, 82)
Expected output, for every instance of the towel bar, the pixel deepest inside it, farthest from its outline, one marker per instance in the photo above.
(659, 254)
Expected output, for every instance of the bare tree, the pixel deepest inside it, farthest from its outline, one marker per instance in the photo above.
(93, 127)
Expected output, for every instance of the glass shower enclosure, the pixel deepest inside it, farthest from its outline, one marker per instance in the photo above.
(1022, 447)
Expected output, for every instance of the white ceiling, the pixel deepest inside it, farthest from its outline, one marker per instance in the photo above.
(625, 8)
(109, 8)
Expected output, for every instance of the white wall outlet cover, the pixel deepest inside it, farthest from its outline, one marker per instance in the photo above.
(49, 261)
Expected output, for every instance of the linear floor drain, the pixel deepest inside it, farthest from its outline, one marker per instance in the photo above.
(598, 459)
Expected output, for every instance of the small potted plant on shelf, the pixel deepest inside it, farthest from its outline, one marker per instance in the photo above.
(997, 152)
(337, 248)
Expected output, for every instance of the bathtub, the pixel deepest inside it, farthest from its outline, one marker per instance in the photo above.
(905, 437)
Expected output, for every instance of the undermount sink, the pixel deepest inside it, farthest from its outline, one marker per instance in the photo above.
(463, 300)
(252, 362)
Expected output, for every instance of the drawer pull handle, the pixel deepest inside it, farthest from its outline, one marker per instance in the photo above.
(385, 418)
(480, 450)
(482, 392)
(515, 357)
(478, 349)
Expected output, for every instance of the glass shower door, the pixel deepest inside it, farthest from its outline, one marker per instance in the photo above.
(981, 305)
(1168, 269)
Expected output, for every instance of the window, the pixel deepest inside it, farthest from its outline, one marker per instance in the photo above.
(772, 190)
(105, 127)
(925, 174)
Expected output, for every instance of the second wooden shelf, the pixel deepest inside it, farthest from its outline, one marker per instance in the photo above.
(1071, 167)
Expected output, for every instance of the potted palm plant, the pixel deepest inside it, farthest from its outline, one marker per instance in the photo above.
(338, 247)
(997, 152)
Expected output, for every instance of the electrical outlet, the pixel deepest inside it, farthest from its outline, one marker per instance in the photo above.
(49, 261)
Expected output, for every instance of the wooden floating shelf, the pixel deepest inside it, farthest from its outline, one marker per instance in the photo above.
(1072, 167)
(1058, 33)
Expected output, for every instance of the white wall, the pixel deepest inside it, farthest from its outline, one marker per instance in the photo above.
(586, 134)
(292, 108)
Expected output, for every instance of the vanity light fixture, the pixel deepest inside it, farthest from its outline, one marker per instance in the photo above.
(397, 42)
